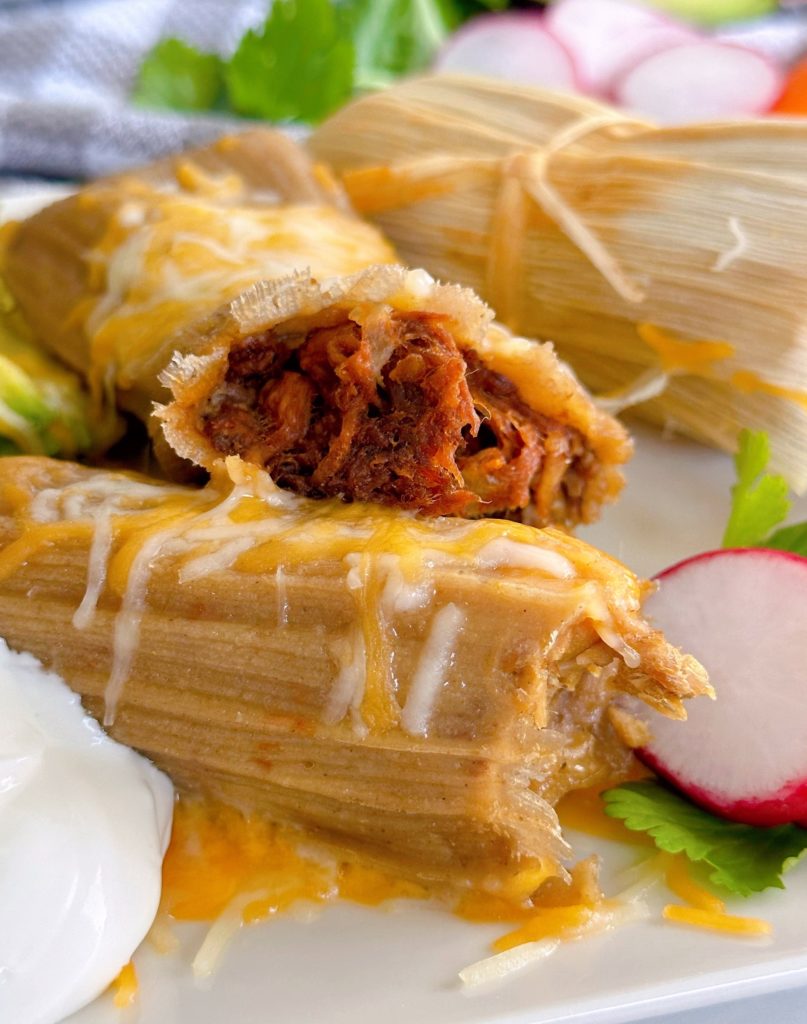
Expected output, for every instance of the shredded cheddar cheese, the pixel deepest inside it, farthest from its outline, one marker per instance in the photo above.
(124, 987)
(748, 383)
(679, 881)
(241, 522)
(582, 810)
(714, 920)
(684, 355)
(217, 854)
(165, 259)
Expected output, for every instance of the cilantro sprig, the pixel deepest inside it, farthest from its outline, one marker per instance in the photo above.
(742, 859)
(306, 59)
(759, 500)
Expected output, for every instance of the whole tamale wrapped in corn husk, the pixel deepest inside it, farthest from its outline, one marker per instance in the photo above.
(421, 690)
(669, 266)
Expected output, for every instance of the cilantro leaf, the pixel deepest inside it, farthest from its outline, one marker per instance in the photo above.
(298, 67)
(744, 859)
(180, 77)
(396, 37)
(759, 500)
(790, 538)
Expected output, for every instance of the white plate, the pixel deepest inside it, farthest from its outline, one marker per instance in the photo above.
(399, 966)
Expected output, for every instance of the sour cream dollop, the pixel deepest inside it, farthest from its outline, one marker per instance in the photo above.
(84, 824)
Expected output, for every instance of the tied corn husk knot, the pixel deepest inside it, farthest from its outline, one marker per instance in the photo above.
(667, 265)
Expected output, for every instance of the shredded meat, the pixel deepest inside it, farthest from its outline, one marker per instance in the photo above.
(393, 413)
(519, 458)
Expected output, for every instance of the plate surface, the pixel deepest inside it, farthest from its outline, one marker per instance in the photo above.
(399, 966)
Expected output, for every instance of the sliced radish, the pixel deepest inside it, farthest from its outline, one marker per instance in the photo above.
(743, 614)
(606, 37)
(515, 47)
(701, 81)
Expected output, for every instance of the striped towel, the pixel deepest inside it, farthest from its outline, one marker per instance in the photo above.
(67, 69)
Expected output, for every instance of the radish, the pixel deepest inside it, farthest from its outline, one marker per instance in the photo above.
(701, 81)
(515, 47)
(743, 614)
(606, 37)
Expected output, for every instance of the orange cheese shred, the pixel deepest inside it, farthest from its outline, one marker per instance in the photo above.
(124, 987)
(716, 921)
(680, 882)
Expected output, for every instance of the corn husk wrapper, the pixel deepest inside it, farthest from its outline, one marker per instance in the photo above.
(106, 277)
(223, 633)
(669, 266)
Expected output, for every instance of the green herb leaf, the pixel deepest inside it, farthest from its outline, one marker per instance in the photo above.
(759, 500)
(180, 77)
(396, 37)
(790, 538)
(744, 859)
(298, 67)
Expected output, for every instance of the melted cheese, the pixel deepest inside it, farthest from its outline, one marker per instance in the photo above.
(430, 673)
(124, 987)
(749, 383)
(230, 869)
(242, 523)
(503, 553)
(167, 259)
(691, 356)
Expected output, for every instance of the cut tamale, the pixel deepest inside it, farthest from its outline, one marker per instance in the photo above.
(106, 276)
(421, 690)
(372, 401)
(667, 265)
(389, 387)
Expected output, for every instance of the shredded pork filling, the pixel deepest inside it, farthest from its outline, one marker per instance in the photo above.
(432, 429)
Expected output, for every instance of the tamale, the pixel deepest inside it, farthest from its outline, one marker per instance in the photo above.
(388, 387)
(667, 265)
(420, 690)
(105, 276)
(511, 430)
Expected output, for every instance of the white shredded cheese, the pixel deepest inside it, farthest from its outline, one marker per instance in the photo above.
(129, 618)
(501, 965)
(215, 561)
(96, 570)
(348, 688)
(398, 595)
(430, 672)
(220, 934)
(510, 554)
(725, 259)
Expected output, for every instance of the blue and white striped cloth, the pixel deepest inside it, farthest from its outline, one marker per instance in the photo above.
(67, 68)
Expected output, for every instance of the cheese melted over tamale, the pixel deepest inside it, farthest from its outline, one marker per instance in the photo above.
(392, 563)
(166, 259)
